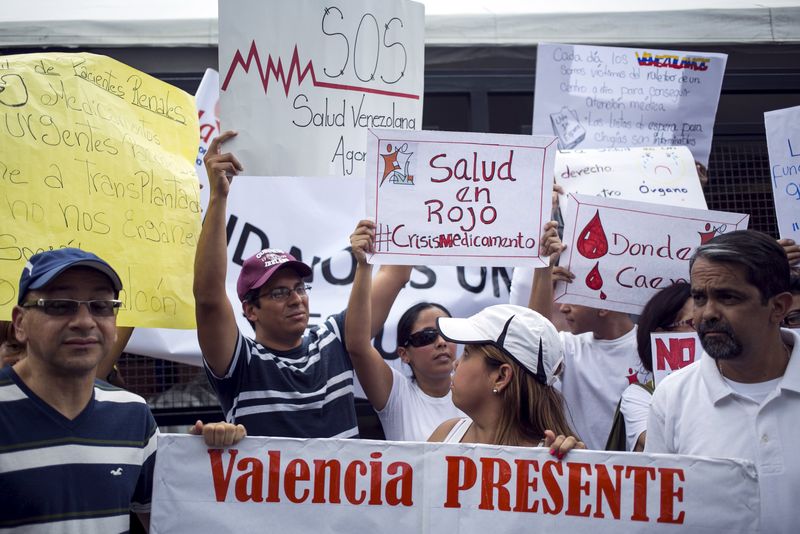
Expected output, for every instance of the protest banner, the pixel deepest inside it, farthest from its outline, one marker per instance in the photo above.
(783, 145)
(331, 485)
(453, 198)
(97, 155)
(607, 97)
(672, 351)
(621, 252)
(302, 81)
(662, 175)
(300, 219)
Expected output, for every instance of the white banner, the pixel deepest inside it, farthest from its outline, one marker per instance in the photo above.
(301, 81)
(783, 144)
(452, 198)
(335, 486)
(297, 214)
(607, 97)
(672, 351)
(662, 175)
(621, 252)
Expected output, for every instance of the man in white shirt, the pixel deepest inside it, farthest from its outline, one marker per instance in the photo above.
(742, 399)
(600, 358)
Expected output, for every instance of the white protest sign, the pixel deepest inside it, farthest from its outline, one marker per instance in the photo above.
(313, 218)
(672, 351)
(207, 100)
(622, 252)
(783, 144)
(334, 486)
(301, 81)
(662, 175)
(606, 97)
(451, 198)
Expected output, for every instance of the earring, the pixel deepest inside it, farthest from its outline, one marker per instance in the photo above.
(494, 390)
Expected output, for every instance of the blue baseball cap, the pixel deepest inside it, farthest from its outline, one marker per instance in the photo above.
(45, 266)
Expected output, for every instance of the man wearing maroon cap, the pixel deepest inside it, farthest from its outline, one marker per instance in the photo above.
(284, 382)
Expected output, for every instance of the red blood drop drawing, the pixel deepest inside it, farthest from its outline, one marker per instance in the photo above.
(603, 296)
(593, 279)
(592, 241)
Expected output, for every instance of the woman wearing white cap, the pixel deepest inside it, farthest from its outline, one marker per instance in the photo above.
(504, 381)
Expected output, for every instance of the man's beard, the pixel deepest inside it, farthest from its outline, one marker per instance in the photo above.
(719, 347)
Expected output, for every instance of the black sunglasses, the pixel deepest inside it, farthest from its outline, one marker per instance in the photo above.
(422, 338)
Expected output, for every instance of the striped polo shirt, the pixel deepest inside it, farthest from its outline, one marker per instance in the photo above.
(82, 475)
(306, 392)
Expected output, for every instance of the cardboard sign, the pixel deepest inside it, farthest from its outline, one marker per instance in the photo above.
(783, 144)
(662, 175)
(334, 486)
(302, 81)
(672, 351)
(99, 156)
(452, 198)
(622, 252)
(607, 97)
(313, 218)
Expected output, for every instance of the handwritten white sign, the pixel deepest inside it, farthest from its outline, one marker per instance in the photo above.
(301, 81)
(458, 198)
(334, 486)
(662, 175)
(622, 252)
(672, 351)
(783, 144)
(606, 97)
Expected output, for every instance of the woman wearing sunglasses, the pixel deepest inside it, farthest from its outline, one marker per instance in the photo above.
(669, 310)
(504, 381)
(409, 408)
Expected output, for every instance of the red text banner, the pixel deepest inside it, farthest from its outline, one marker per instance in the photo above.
(330, 485)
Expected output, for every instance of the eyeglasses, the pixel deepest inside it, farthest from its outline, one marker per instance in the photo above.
(65, 307)
(792, 320)
(282, 293)
(423, 337)
(677, 324)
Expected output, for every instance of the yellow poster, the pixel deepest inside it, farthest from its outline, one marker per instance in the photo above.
(97, 155)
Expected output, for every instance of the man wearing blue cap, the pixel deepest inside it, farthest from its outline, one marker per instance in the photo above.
(75, 455)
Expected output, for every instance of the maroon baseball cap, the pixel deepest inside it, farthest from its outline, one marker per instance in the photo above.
(257, 269)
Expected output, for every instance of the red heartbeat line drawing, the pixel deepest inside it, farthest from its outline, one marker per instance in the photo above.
(276, 71)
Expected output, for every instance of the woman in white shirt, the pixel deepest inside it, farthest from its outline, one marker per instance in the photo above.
(409, 408)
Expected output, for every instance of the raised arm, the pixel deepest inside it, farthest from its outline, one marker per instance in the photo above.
(385, 288)
(542, 291)
(216, 322)
(373, 372)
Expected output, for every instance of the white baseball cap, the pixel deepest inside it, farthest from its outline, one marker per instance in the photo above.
(524, 335)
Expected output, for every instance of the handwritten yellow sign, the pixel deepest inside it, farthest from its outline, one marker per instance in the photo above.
(97, 155)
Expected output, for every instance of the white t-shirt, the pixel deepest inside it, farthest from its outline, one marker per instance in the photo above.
(412, 415)
(635, 408)
(695, 411)
(596, 372)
